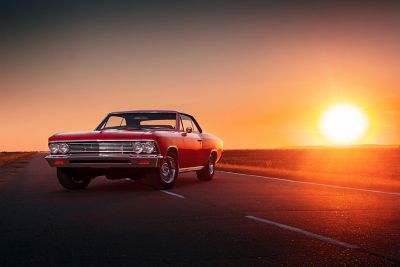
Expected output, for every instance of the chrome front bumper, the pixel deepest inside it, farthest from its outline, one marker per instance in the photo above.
(104, 161)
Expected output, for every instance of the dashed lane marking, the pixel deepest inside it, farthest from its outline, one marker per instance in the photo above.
(172, 194)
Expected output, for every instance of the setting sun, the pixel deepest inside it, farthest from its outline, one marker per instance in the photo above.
(343, 124)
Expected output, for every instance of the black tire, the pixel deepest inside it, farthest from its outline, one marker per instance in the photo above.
(207, 173)
(71, 180)
(165, 176)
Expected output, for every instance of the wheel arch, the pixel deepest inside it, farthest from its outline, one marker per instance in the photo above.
(214, 153)
(172, 150)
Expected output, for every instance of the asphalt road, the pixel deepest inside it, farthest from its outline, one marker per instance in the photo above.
(235, 220)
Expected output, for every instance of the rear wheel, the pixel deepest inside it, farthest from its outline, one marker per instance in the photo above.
(72, 180)
(165, 176)
(207, 173)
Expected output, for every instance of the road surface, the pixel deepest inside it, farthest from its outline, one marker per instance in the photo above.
(235, 220)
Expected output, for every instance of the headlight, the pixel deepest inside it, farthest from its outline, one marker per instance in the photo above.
(148, 147)
(53, 148)
(63, 148)
(137, 147)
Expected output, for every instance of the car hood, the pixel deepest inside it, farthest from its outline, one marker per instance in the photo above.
(101, 135)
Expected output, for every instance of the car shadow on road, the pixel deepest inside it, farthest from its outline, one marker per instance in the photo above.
(100, 185)
(184, 181)
(127, 186)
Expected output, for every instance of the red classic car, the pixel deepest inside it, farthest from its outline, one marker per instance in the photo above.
(136, 144)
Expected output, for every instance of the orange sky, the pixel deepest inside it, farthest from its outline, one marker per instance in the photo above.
(256, 79)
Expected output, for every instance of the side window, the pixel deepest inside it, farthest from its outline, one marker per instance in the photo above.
(187, 122)
(194, 127)
(115, 122)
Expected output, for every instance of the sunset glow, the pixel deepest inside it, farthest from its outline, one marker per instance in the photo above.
(258, 76)
(343, 124)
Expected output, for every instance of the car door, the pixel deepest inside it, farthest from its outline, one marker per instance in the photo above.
(206, 144)
(192, 143)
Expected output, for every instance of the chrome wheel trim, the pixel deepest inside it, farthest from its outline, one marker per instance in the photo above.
(168, 170)
(211, 165)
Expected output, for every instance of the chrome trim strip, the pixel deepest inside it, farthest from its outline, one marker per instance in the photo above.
(155, 161)
(102, 151)
(197, 168)
(101, 156)
(103, 140)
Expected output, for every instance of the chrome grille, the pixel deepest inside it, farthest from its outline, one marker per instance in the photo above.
(101, 147)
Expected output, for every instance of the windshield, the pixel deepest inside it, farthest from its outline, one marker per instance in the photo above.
(139, 121)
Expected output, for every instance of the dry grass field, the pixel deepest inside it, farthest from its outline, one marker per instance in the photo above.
(372, 168)
(7, 157)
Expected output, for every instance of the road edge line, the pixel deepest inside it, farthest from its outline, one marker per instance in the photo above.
(313, 183)
(304, 232)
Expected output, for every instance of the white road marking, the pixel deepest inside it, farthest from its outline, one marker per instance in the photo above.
(164, 191)
(319, 184)
(304, 232)
(172, 194)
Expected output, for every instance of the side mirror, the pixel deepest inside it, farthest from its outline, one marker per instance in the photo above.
(189, 129)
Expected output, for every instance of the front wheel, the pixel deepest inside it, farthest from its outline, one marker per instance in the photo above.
(165, 176)
(207, 173)
(72, 180)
